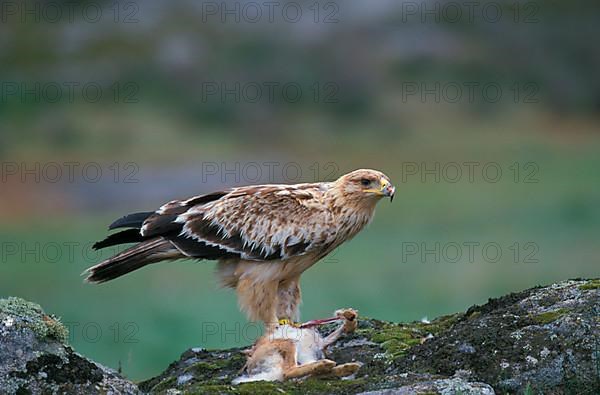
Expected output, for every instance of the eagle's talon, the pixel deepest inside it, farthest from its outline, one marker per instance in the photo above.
(287, 321)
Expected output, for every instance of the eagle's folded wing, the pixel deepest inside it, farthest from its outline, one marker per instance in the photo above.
(260, 223)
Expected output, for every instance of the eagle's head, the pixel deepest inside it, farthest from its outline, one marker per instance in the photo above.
(365, 185)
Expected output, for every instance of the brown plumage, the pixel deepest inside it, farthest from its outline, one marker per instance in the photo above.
(264, 236)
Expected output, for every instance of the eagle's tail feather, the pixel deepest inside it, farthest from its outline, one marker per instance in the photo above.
(133, 258)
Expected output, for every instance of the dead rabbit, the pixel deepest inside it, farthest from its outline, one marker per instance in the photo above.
(289, 351)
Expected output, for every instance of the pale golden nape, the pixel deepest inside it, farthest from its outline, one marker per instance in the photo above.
(264, 236)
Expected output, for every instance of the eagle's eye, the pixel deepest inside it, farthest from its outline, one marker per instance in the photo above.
(365, 182)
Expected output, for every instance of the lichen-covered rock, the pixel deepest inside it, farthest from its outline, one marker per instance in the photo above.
(35, 359)
(451, 386)
(542, 340)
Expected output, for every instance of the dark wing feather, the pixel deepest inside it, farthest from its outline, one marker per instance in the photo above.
(162, 220)
(134, 220)
(195, 249)
(123, 237)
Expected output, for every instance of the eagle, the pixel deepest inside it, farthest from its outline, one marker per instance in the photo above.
(263, 236)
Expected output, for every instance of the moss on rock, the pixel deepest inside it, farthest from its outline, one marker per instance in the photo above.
(549, 316)
(397, 339)
(19, 312)
(592, 284)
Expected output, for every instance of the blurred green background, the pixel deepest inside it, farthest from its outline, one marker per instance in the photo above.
(195, 98)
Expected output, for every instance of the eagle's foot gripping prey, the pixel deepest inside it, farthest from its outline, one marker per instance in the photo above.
(292, 351)
(287, 321)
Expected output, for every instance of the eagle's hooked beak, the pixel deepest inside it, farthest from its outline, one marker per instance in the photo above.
(387, 189)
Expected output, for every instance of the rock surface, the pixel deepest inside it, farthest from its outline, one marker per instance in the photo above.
(35, 359)
(541, 340)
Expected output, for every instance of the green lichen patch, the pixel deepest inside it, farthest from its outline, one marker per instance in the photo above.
(327, 386)
(474, 315)
(259, 387)
(442, 324)
(206, 372)
(397, 339)
(205, 368)
(23, 314)
(303, 386)
(592, 284)
(217, 389)
(170, 382)
(549, 316)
